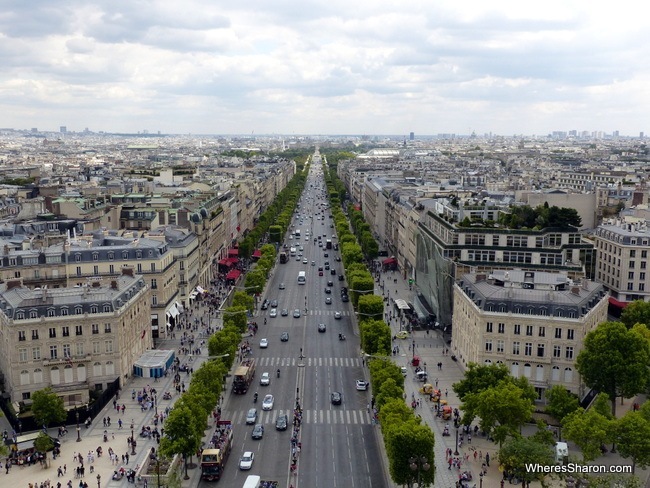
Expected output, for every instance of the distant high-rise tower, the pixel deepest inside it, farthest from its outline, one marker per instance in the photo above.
(412, 136)
(641, 135)
(63, 129)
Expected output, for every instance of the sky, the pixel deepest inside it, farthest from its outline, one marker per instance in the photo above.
(325, 67)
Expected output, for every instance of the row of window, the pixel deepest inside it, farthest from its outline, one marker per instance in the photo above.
(539, 371)
(65, 331)
(541, 330)
(51, 312)
(111, 255)
(540, 349)
(111, 269)
(549, 240)
(98, 347)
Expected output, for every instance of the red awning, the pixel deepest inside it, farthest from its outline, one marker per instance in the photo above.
(617, 303)
(233, 261)
(257, 253)
(224, 262)
(388, 261)
(233, 252)
(233, 274)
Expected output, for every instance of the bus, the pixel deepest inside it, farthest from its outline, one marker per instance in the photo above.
(302, 278)
(283, 257)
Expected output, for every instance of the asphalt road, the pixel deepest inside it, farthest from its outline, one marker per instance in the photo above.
(339, 447)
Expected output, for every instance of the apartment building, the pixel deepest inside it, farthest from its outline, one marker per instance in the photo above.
(622, 265)
(73, 339)
(532, 321)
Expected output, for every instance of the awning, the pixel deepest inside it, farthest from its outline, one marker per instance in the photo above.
(257, 253)
(401, 304)
(617, 303)
(233, 261)
(233, 274)
(233, 252)
(173, 311)
(199, 289)
(389, 261)
(224, 262)
(193, 295)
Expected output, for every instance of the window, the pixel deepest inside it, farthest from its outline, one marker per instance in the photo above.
(515, 348)
(630, 275)
(34, 334)
(95, 256)
(558, 333)
(568, 375)
(96, 348)
(111, 269)
(54, 352)
(95, 328)
(641, 286)
(500, 345)
(540, 350)
(517, 330)
(568, 352)
(21, 335)
(557, 351)
(529, 330)
(154, 284)
(78, 330)
(153, 267)
(77, 258)
(51, 313)
(528, 349)
(488, 346)
(502, 328)
(488, 328)
(78, 270)
(542, 331)
(79, 349)
(154, 300)
(631, 265)
(64, 311)
(107, 328)
(569, 334)
(106, 308)
(644, 254)
(36, 353)
(139, 266)
(632, 253)
(95, 270)
(67, 351)
(33, 314)
(94, 309)
(65, 330)
(109, 346)
(78, 310)
(22, 354)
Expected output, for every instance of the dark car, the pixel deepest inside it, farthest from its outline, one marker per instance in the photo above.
(328, 290)
(337, 258)
(330, 283)
(281, 422)
(322, 327)
(336, 398)
(274, 304)
(326, 255)
(344, 290)
(332, 271)
(265, 304)
(341, 277)
(258, 431)
(284, 337)
(320, 273)
(345, 298)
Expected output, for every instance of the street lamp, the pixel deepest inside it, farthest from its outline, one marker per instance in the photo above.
(155, 403)
(419, 464)
(99, 481)
(78, 428)
(456, 453)
(133, 453)
(481, 480)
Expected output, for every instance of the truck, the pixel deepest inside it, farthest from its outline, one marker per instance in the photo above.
(214, 458)
(254, 481)
(283, 257)
(244, 375)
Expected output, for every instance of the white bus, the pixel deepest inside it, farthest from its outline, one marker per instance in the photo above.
(302, 278)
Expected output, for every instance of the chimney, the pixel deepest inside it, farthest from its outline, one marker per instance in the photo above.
(96, 284)
(14, 284)
(114, 285)
(480, 277)
(575, 290)
(127, 271)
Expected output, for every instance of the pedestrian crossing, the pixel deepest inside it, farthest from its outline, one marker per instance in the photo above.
(324, 312)
(308, 361)
(335, 416)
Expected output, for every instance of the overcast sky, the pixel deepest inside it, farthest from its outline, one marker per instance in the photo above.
(326, 66)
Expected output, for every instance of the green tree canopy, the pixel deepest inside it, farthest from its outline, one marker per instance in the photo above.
(480, 377)
(588, 430)
(519, 451)
(614, 360)
(235, 316)
(632, 436)
(561, 402)
(410, 444)
(43, 443)
(371, 307)
(375, 337)
(181, 435)
(47, 407)
(637, 312)
(242, 299)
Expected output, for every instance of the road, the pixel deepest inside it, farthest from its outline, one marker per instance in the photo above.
(339, 446)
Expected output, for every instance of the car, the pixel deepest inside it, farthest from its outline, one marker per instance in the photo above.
(281, 422)
(320, 268)
(274, 303)
(320, 243)
(326, 255)
(267, 403)
(320, 273)
(332, 271)
(337, 258)
(284, 312)
(298, 258)
(336, 397)
(313, 263)
(338, 315)
(282, 286)
(404, 371)
(330, 283)
(362, 385)
(258, 431)
(246, 461)
(341, 277)
(328, 290)
(251, 416)
(304, 261)
(301, 248)
(264, 343)
(296, 313)
(284, 337)
(273, 313)
(345, 298)
(265, 304)
(328, 300)
(402, 334)
(322, 327)
(327, 267)
(265, 379)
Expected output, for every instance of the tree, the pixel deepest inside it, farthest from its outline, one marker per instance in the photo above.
(561, 402)
(43, 443)
(255, 281)
(241, 299)
(210, 374)
(181, 436)
(371, 307)
(589, 430)
(47, 407)
(480, 377)
(409, 447)
(614, 360)
(375, 337)
(519, 452)
(235, 316)
(637, 312)
(632, 435)
(275, 233)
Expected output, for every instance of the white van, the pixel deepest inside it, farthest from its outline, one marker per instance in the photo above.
(252, 481)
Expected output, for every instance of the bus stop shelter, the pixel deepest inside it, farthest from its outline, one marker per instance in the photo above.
(154, 364)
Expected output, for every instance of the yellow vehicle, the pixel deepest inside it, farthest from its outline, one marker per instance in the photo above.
(427, 389)
(446, 412)
(402, 334)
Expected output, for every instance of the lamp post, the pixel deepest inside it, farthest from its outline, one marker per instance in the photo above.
(155, 403)
(133, 453)
(76, 413)
(419, 464)
(456, 453)
(99, 481)
(480, 480)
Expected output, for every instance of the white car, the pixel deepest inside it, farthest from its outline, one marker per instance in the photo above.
(337, 315)
(246, 461)
(265, 380)
(304, 261)
(267, 404)
(273, 313)
(362, 385)
(282, 286)
(264, 343)
(328, 300)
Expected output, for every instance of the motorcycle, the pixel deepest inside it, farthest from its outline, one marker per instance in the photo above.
(167, 396)
(278, 373)
(341, 337)
(255, 398)
(87, 423)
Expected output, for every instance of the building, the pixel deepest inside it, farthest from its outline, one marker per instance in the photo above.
(73, 339)
(533, 322)
(622, 265)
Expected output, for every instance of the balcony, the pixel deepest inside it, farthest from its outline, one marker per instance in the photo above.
(64, 361)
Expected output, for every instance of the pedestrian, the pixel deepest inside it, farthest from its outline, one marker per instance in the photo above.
(446, 392)
(487, 459)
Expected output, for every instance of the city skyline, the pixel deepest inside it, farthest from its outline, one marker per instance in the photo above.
(333, 68)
